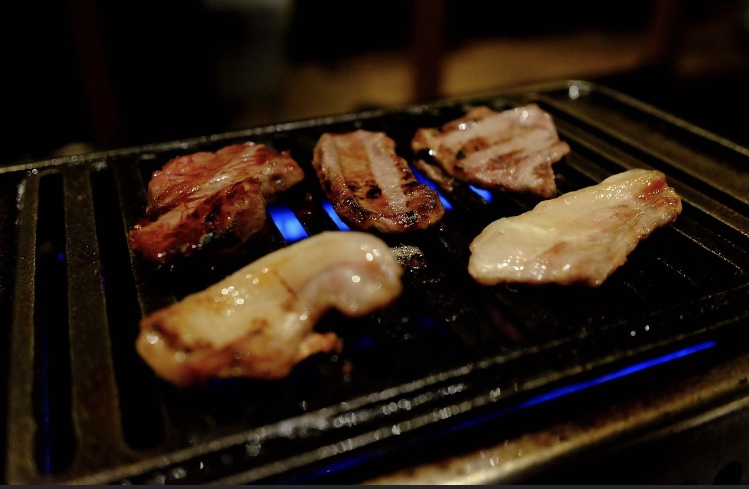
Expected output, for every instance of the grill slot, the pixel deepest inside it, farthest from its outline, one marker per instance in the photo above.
(54, 442)
(83, 407)
(142, 422)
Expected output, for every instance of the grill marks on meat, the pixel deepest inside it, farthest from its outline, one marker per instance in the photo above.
(508, 151)
(370, 186)
(259, 321)
(201, 197)
(580, 237)
(200, 174)
(233, 213)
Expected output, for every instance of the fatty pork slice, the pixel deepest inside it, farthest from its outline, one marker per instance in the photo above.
(580, 237)
(508, 151)
(258, 322)
(211, 197)
(370, 186)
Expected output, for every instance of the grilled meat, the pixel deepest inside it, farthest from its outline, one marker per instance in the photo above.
(579, 237)
(508, 151)
(201, 174)
(232, 214)
(370, 186)
(258, 322)
(202, 197)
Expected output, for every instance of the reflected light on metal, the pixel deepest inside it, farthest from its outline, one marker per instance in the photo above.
(533, 401)
(602, 379)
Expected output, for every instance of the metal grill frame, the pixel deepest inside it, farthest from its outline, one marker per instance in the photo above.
(613, 128)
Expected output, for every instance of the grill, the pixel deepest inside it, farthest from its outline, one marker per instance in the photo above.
(450, 364)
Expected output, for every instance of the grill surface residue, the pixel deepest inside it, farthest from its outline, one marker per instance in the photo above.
(82, 407)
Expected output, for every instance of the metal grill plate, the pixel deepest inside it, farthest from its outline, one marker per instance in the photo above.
(447, 357)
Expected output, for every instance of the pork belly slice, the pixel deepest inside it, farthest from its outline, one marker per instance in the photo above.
(508, 151)
(259, 321)
(370, 186)
(211, 197)
(580, 237)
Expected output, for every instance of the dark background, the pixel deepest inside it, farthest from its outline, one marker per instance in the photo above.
(114, 74)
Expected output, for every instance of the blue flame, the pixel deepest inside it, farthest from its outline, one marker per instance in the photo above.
(484, 194)
(287, 223)
(336, 218)
(577, 387)
(429, 183)
(541, 398)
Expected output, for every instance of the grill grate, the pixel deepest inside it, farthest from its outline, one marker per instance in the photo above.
(83, 408)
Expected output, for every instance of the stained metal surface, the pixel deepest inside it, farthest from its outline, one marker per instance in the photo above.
(685, 431)
(449, 358)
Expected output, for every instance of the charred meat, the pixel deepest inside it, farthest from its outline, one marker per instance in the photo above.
(203, 197)
(370, 186)
(508, 151)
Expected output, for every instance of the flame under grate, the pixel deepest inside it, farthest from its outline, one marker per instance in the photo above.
(449, 354)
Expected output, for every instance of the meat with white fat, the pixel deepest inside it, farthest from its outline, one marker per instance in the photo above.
(370, 186)
(580, 237)
(507, 151)
(259, 322)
